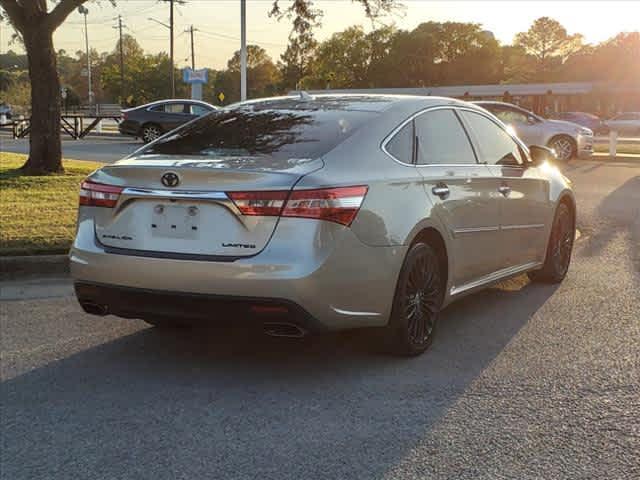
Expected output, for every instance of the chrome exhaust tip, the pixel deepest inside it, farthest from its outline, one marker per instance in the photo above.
(283, 329)
(94, 309)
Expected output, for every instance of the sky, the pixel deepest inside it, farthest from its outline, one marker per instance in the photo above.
(218, 23)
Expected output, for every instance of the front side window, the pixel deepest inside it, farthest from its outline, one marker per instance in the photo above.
(401, 145)
(496, 146)
(441, 139)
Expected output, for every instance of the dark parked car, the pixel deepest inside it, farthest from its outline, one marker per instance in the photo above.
(588, 120)
(155, 119)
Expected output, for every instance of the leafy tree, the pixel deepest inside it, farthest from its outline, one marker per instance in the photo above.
(295, 62)
(263, 76)
(342, 61)
(549, 43)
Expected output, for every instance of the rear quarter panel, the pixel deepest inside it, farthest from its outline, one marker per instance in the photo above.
(396, 200)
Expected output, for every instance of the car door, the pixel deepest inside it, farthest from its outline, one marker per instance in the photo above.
(464, 195)
(175, 114)
(525, 204)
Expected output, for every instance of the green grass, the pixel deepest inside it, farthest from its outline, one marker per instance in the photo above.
(38, 214)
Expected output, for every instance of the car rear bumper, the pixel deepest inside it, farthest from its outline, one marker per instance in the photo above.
(197, 309)
(321, 267)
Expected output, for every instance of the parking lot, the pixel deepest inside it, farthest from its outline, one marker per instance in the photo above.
(100, 148)
(523, 381)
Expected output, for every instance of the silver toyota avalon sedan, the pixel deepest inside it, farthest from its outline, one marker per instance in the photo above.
(308, 214)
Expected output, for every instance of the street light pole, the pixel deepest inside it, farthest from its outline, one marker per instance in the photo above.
(173, 77)
(84, 11)
(243, 50)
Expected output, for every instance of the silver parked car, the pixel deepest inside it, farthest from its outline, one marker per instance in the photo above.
(568, 139)
(321, 213)
(625, 123)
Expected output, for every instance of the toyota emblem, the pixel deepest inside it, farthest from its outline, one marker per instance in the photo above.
(170, 179)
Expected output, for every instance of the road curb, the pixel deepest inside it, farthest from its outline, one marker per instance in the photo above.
(23, 266)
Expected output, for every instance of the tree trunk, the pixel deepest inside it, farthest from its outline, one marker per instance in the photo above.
(45, 155)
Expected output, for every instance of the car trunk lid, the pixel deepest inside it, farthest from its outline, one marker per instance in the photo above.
(190, 213)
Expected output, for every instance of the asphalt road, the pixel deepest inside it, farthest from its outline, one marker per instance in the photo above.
(97, 148)
(523, 382)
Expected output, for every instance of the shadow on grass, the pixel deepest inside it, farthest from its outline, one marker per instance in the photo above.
(223, 405)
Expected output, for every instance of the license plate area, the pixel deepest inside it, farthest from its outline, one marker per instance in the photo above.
(175, 221)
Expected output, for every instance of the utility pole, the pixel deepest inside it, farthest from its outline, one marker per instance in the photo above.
(193, 54)
(122, 92)
(243, 50)
(173, 77)
(84, 11)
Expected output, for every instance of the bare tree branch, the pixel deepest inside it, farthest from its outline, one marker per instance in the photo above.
(61, 11)
(15, 13)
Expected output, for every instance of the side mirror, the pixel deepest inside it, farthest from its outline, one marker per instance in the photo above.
(540, 154)
(531, 120)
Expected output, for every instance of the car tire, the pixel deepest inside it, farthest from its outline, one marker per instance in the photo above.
(564, 146)
(149, 132)
(416, 304)
(559, 249)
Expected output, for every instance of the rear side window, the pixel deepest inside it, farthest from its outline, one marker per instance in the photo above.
(510, 116)
(441, 139)
(157, 108)
(496, 146)
(253, 131)
(401, 145)
(199, 110)
(175, 108)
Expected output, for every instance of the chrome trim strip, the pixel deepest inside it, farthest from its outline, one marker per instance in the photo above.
(174, 194)
(354, 314)
(460, 231)
(455, 107)
(494, 277)
(220, 198)
(522, 227)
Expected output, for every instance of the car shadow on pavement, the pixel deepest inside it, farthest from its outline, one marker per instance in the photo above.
(620, 212)
(209, 405)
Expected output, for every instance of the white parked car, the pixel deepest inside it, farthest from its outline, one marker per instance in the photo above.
(625, 123)
(568, 139)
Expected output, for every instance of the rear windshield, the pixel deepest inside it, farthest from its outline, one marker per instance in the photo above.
(249, 130)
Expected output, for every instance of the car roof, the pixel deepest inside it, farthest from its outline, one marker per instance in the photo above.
(175, 100)
(356, 102)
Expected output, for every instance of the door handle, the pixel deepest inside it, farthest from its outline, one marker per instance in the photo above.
(441, 190)
(504, 190)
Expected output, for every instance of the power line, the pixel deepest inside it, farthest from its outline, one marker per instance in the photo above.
(237, 39)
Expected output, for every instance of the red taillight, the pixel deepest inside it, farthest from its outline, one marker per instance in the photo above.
(265, 204)
(99, 195)
(340, 204)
